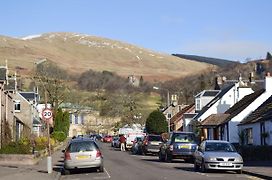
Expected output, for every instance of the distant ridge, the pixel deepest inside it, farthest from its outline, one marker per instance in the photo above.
(209, 60)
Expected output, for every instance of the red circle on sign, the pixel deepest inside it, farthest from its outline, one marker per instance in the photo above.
(47, 114)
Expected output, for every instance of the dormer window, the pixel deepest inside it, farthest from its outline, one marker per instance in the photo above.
(17, 106)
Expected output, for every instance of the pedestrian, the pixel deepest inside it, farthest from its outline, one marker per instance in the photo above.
(122, 142)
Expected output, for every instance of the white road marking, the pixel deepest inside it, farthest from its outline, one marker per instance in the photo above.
(108, 175)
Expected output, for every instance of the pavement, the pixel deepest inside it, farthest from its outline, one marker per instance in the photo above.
(260, 169)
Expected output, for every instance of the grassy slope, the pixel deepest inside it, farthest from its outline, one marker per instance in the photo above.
(78, 53)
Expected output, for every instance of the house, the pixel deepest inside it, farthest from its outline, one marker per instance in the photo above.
(6, 110)
(220, 126)
(257, 127)
(225, 99)
(224, 126)
(203, 98)
(177, 121)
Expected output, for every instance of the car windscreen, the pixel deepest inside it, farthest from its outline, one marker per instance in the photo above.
(154, 138)
(183, 138)
(218, 146)
(82, 146)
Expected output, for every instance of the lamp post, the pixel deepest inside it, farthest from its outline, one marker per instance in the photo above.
(168, 104)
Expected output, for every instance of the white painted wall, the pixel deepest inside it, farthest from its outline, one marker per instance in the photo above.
(234, 95)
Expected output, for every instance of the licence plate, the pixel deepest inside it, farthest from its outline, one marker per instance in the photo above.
(154, 143)
(82, 157)
(184, 147)
(225, 164)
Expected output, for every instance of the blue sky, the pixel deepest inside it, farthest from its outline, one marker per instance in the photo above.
(230, 29)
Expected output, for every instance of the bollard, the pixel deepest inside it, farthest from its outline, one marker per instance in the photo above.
(49, 164)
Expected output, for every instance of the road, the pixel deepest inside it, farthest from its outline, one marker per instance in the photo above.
(124, 166)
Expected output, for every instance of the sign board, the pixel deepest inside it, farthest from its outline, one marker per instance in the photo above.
(47, 114)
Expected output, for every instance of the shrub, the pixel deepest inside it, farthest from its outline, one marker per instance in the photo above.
(16, 148)
(156, 123)
(59, 136)
(253, 153)
(41, 143)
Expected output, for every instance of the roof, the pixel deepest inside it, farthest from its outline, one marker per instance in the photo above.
(3, 73)
(262, 113)
(28, 95)
(214, 120)
(207, 93)
(242, 104)
(189, 115)
(214, 100)
(180, 113)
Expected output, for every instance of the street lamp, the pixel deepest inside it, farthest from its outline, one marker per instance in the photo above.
(168, 104)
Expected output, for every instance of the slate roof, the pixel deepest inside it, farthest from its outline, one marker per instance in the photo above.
(30, 96)
(262, 113)
(214, 120)
(3, 72)
(214, 100)
(207, 93)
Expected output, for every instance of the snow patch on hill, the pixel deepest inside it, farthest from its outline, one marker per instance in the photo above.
(31, 37)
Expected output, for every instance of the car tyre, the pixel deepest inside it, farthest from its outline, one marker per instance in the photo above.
(168, 158)
(161, 158)
(203, 168)
(65, 171)
(239, 171)
(101, 168)
(196, 166)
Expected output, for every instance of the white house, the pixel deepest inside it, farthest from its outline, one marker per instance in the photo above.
(224, 126)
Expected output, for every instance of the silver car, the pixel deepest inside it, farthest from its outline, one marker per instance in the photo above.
(82, 153)
(217, 155)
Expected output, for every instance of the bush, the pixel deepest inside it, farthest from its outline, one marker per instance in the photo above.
(59, 136)
(156, 123)
(16, 148)
(40, 143)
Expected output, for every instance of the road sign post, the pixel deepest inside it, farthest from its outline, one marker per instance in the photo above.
(47, 114)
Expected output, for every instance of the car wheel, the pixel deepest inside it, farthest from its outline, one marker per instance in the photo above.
(161, 158)
(101, 168)
(65, 171)
(168, 158)
(239, 171)
(196, 166)
(203, 168)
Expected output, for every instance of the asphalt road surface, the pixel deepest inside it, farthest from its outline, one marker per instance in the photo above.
(124, 166)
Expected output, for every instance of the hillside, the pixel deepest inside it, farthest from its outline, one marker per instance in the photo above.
(78, 53)
(214, 61)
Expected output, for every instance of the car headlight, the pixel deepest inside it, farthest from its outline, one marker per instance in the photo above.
(239, 159)
(211, 159)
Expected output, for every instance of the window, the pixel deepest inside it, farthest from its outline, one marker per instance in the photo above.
(249, 136)
(71, 118)
(198, 107)
(76, 118)
(82, 118)
(17, 106)
(169, 115)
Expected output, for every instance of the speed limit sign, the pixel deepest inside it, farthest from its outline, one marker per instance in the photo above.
(47, 114)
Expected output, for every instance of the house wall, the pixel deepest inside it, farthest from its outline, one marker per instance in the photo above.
(243, 114)
(256, 131)
(228, 100)
(25, 114)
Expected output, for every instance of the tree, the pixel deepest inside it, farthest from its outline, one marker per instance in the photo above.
(61, 122)
(156, 123)
(52, 80)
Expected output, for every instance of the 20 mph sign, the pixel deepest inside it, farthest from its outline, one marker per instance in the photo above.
(47, 114)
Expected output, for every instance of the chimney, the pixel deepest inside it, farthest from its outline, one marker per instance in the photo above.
(268, 82)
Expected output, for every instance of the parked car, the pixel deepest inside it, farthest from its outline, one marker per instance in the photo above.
(82, 153)
(137, 145)
(151, 144)
(115, 142)
(180, 145)
(218, 155)
(107, 139)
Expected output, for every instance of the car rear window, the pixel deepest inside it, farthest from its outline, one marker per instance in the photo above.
(184, 138)
(82, 146)
(154, 138)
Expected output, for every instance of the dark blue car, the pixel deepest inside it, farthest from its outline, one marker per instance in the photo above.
(180, 145)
